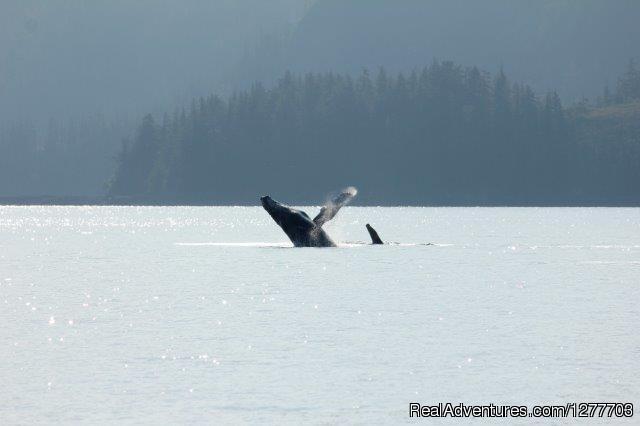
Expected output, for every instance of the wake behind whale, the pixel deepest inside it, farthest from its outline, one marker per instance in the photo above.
(287, 245)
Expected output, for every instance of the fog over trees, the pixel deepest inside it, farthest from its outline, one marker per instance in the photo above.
(71, 157)
(96, 100)
(76, 75)
(574, 47)
(443, 134)
(66, 58)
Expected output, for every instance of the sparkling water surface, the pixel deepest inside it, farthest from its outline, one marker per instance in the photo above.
(208, 315)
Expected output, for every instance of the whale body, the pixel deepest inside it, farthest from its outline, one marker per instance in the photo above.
(304, 232)
(301, 230)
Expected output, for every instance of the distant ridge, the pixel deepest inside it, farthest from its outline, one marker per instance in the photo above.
(572, 46)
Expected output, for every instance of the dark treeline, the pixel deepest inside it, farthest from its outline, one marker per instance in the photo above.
(74, 157)
(444, 134)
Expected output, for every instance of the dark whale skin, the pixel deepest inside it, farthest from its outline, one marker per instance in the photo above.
(301, 230)
(375, 238)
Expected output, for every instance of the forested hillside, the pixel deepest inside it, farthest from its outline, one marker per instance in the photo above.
(75, 75)
(71, 157)
(444, 134)
(572, 46)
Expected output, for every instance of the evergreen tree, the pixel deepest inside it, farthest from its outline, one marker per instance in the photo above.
(442, 134)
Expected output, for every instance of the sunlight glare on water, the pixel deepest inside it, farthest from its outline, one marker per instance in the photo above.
(185, 314)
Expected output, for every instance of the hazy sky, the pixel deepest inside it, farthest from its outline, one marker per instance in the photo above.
(121, 57)
(572, 46)
(69, 57)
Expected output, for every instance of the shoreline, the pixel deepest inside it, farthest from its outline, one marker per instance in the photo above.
(194, 202)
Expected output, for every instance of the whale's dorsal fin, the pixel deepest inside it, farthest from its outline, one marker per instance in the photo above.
(331, 208)
(375, 238)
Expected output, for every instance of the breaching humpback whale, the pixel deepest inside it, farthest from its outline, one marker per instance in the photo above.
(304, 232)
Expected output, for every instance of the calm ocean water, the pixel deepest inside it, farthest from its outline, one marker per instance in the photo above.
(206, 315)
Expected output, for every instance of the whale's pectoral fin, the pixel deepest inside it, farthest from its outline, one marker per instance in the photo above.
(329, 210)
(375, 238)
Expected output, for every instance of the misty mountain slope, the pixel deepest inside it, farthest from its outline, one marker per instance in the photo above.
(443, 135)
(572, 46)
(615, 130)
(68, 58)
